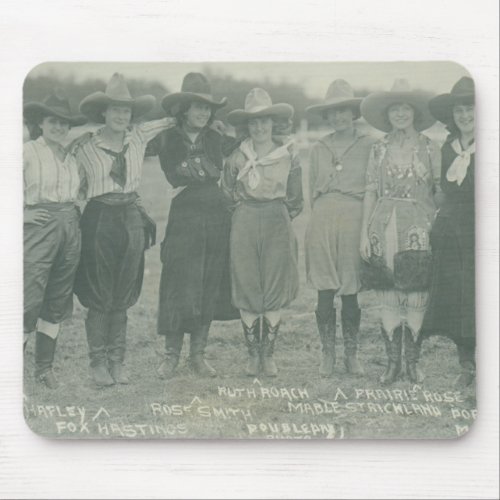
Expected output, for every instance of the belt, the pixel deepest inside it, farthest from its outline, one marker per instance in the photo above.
(263, 203)
(117, 199)
(52, 206)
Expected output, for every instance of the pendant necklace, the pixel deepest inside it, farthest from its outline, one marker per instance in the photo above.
(338, 158)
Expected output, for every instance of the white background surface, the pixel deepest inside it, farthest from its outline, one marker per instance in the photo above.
(159, 30)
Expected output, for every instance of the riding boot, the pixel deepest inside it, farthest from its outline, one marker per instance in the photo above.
(393, 349)
(173, 347)
(97, 325)
(116, 346)
(327, 333)
(412, 353)
(197, 353)
(351, 318)
(269, 334)
(252, 341)
(45, 348)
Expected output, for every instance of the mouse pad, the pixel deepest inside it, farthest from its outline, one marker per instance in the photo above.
(249, 250)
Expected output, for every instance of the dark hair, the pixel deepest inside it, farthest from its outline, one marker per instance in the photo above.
(34, 128)
(184, 107)
(355, 111)
(450, 124)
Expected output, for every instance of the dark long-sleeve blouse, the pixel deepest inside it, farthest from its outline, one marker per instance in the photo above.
(188, 163)
(459, 197)
(456, 193)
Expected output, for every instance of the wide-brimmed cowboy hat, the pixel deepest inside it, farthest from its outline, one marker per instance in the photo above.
(55, 104)
(258, 103)
(195, 87)
(462, 92)
(339, 95)
(116, 92)
(374, 106)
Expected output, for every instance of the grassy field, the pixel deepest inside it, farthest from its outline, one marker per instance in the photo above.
(296, 404)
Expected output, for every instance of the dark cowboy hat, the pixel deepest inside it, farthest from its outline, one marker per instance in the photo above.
(339, 95)
(116, 92)
(374, 106)
(258, 103)
(55, 104)
(462, 92)
(195, 87)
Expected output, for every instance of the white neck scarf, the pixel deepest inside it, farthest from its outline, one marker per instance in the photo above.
(458, 168)
(250, 167)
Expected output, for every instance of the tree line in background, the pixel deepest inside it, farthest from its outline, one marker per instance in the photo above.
(223, 85)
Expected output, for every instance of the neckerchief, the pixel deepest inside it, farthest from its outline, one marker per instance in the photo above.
(118, 170)
(458, 168)
(250, 168)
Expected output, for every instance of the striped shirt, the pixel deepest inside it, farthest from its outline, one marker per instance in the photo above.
(46, 177)
(97, 164)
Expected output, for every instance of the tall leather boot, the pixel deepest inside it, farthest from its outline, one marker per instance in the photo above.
(117, 335)
(351, 318)
(97, 325)
(269, 335)
(197, 353)
(467, 365)
(412, 354)
(252, 341)
(393, 349)
(173, 347)
(327, 332)
(45, 348)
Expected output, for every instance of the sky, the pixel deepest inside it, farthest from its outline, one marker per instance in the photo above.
(314, 77)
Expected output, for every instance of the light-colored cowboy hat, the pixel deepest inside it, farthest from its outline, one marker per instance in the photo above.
(195, 87)
(374, 106)
(258, 103)
(462, 92)
(55, 104)
(339, 95)
(116, 92)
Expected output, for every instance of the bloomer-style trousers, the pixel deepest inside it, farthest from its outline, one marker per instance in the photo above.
(51, 255)
(111, 267)
(264, 251)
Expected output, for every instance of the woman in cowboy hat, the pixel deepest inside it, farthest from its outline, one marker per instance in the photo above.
(51, 231)
(337, 174)
(398, 214)
(195, 251)
(115, 229)
(451, 310)
(263, 177)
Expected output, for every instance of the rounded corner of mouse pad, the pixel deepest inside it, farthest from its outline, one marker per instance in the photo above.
(223, 250)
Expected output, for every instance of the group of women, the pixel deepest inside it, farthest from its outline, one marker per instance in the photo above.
(229, 249)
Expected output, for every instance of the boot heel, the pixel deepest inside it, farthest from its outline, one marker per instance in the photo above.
(327, 333)
(45, 348)
(269, 334)
(252, 341)
(101, 376)
(197, 360)
(412, 349)
(351, 319)
(173, 347)
(393, 349)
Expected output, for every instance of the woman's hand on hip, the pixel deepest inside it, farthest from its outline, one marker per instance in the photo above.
(37, 216)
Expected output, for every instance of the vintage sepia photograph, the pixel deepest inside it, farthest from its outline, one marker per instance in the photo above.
(249, 250)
